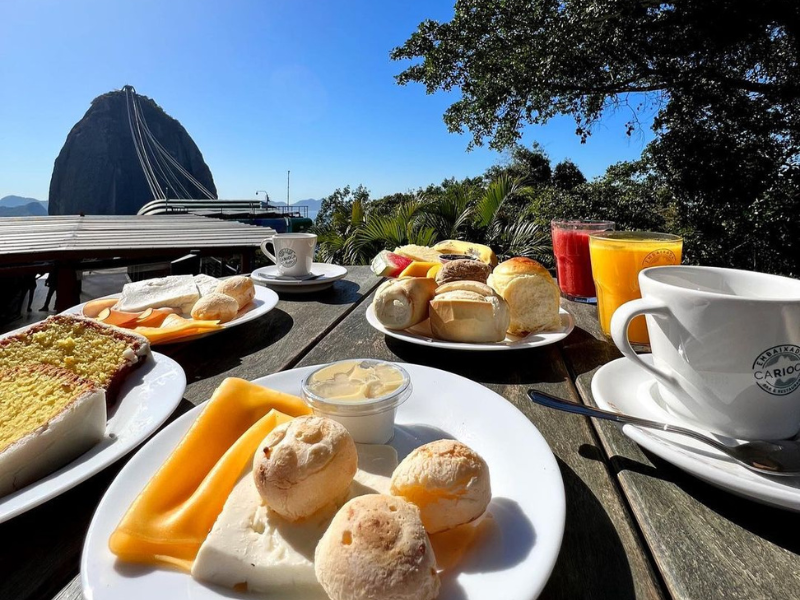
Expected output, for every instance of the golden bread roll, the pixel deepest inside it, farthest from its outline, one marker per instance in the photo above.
(376, 549)
(215, 307)
(305, 465)
(402, 303)
(468, 311)
(464, 269)
(531, 292)
(447, 480)
(240, 288)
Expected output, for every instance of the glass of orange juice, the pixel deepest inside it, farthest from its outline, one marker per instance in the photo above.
(617, 257)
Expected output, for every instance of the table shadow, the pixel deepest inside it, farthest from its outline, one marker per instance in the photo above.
(602, 572)
(517, 367)
(341, 292)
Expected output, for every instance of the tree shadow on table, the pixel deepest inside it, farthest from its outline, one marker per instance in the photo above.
(341, 292)
(534, 365)
(593, 561)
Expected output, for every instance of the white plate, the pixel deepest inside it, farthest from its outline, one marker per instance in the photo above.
(146, 399)
(265, 300)
(421, 334)
(623, 387)
(514, 560)
(330, 273)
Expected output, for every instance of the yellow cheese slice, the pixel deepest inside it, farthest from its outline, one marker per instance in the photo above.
(418, 269)
(173, 514)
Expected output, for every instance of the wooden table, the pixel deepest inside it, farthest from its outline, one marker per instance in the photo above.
(636, 526)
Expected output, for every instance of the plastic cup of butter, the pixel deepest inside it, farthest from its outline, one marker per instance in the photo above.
(362, 394)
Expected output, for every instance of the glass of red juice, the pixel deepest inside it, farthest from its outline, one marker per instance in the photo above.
(573, 265)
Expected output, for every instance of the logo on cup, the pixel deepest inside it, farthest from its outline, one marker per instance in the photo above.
(662, 256)
(287, 257)
(777, 370)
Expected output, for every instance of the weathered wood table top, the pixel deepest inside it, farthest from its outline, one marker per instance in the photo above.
(636, 526)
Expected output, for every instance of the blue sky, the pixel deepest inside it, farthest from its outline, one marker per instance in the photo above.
(262, 86)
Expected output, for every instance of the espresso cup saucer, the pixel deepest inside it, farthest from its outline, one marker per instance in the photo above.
(626, 388)
(322, 276)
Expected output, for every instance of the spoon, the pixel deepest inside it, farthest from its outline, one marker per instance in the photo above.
(773, 457)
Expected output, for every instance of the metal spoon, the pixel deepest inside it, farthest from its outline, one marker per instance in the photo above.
(774, 457)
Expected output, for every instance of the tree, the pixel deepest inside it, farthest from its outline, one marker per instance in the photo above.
(531, 166)
(723, 77)
(567, 175)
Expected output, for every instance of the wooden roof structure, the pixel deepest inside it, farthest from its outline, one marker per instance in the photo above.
(71, 238)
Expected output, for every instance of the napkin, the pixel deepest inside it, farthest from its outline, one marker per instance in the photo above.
(171, 517)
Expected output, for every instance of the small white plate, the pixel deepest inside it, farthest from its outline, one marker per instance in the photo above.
(329, 274)
(528, 507)
(265, 300)
(623, 387)
(421, 334)
(146, 399)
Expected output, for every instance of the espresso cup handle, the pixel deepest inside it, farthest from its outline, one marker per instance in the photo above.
(267, 252)
(620, 321)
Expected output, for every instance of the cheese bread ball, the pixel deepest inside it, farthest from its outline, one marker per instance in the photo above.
(305, 465)
(447, 480)
(240, 288)
(215, 307)
(376, 549)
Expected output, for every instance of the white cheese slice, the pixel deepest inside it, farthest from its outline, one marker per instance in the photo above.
(175, 291)
(253, 546)
(206, 284)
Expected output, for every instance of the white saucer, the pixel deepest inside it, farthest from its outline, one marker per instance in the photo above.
(329, 274)
(623, 387)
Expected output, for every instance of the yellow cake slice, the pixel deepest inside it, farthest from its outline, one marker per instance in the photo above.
(101, 353)
(48, 417)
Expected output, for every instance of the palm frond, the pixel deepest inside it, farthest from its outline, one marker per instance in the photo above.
(496, 194)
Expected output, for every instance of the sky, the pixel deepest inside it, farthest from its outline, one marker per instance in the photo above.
(262, 86)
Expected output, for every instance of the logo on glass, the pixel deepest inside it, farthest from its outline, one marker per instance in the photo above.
(287, 257)
(662, 256)
(777, 370)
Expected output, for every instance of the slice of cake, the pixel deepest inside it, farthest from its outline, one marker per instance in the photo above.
(101, 353)
(176, 291)
(48, 417)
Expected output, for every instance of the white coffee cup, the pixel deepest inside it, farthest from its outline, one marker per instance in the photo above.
(726, 347)
(294, 252)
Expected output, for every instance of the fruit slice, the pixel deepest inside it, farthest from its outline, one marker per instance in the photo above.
(93, 308)
(434, 271)
(419, 253)
(389, 264)
(479, 251)
(119, 318)
(418, 269)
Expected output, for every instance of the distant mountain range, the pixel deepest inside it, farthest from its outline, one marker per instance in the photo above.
(18, 206)
(313, 206)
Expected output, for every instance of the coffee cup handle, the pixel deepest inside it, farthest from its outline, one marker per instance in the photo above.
(267, 252)
(620, 321)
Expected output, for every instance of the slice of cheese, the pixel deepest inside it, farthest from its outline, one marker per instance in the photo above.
(253, 547)
(172, 516)
(206, 284)
(175, 291)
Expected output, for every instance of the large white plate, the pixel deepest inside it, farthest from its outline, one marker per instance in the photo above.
(146, 399)
(421, 334)
(623, 387)
(265, 300)
(514, 560)
(329, 275)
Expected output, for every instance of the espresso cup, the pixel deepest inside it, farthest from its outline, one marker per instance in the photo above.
(726, 347)
(294, 252)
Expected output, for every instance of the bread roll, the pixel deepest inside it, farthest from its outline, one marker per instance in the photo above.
(376, 549)
(468, 311)
(305, 465)
(463, 269)
(402, 303)
(240, 288)
(215, 306)
(447, 480)
(531, 293)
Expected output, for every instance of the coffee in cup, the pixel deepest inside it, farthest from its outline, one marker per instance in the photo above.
(294, 252)
(726, 347)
